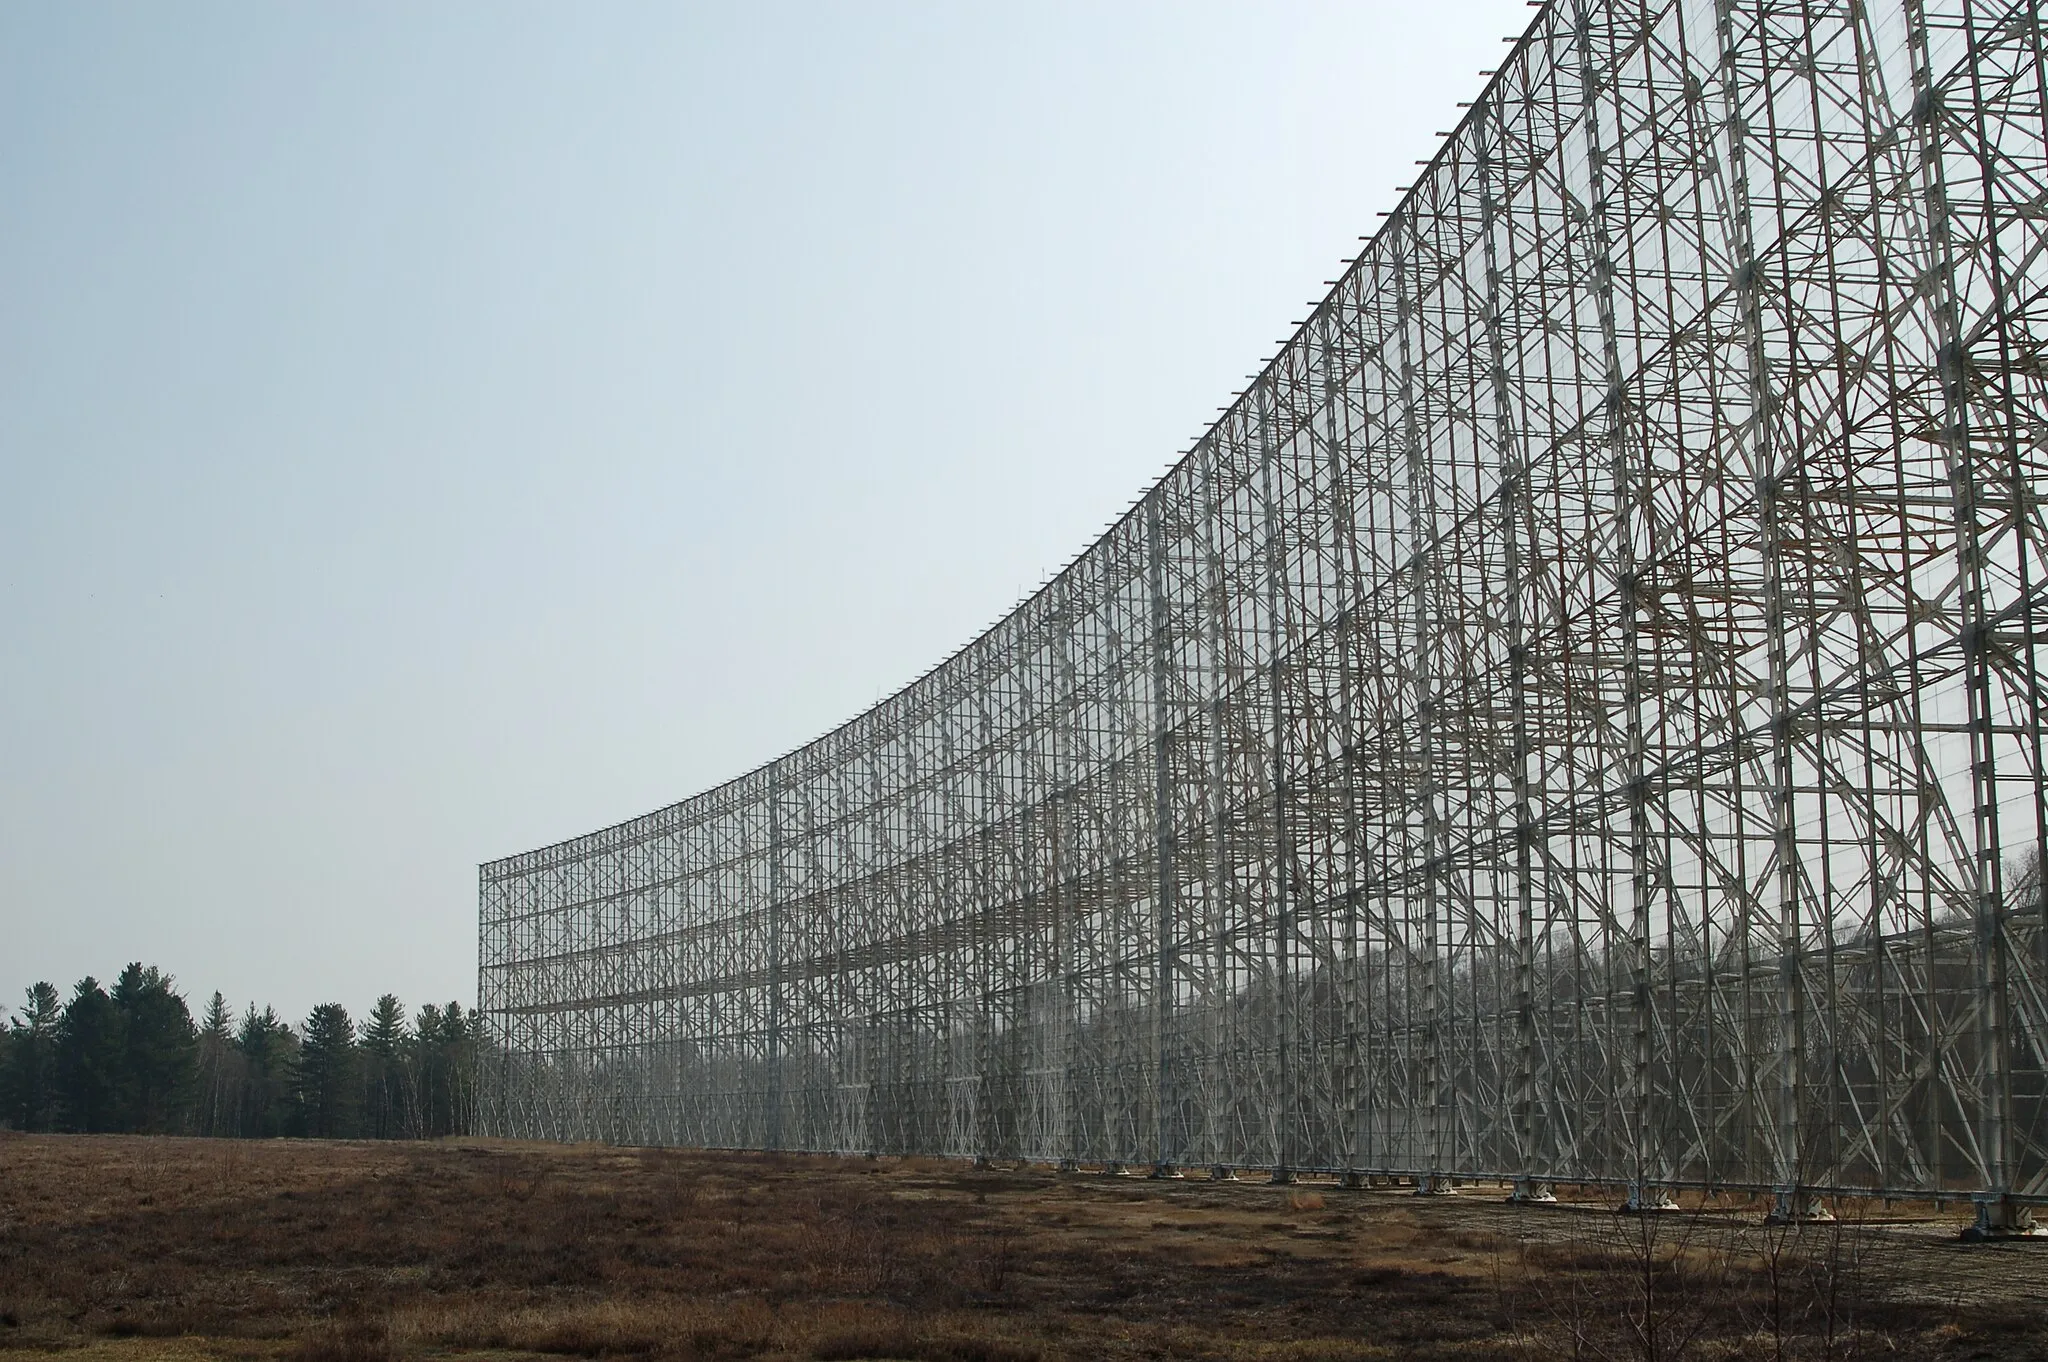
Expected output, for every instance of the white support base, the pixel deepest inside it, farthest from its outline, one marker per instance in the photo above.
(1796, 1207)
(2001, 1218)
(1643, 1200)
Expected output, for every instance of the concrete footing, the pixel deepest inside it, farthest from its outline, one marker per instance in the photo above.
(1646, 1200)
(2001, 1218)
(1282, 1176)
(1531, 1192)
(1793, 1206)
(1433, 1184)
(1222, 1172)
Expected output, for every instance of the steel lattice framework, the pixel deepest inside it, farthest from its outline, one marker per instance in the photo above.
(1577, 716)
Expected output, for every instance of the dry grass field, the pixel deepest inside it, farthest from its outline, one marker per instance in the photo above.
(134, 1247)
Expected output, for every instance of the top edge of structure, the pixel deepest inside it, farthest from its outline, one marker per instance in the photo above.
(1047, 598)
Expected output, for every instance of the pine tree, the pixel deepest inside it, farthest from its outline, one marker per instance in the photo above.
(89, 1059)
(458, 1042)
(422, 1073)
(325, 1078)
(220, 1070)
(159, 1052)
(28, 1096)
(383, 1041)
(269, 1052)
(132, 1059)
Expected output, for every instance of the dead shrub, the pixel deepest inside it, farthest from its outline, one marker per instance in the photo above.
(994, 1262)
(973, 1350)
(878, 1338)
(849, 1247)
(598, 1331)
(516, 1184)
(614, 1328)
(350, 1340)
(891, 1339)
(1306, 1201)
(672, 1189)
(742, 1327)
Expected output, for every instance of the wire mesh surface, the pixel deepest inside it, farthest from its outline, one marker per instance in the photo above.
(1577, 716)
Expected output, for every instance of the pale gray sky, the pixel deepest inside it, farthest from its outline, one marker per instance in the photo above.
(431, 431)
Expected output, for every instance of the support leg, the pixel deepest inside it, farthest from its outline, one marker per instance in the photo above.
(2000, 1217)
(1795, 1206)
(1644, 1199)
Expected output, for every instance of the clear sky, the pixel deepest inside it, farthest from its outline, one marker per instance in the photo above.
(427, 432)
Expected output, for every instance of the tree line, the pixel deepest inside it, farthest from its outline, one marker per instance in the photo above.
(132, 1058)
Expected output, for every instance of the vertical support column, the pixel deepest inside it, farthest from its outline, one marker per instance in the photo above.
(988, 1081)
(1531, 1182)
(802, 1035)
(1216, 1097)
(1164, 886)
(1758, 439)
(777, 967)
(490, 1024)
(1066, 1108)
(1425, 763)
(1998, 1215)
(1344, 534)
(875, 1071)
(2004, 1217)
(907, 1019)
(1753, 439)
(1283, 1116)
(1594, 78)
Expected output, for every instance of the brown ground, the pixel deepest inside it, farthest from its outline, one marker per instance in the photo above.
(134, 1247)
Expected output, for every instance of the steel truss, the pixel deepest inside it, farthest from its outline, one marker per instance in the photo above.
(1576, 717)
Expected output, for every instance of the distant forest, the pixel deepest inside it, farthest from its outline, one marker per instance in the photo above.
(131, 1058)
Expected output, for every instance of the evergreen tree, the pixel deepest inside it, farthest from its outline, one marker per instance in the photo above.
(133, 1059)
(268, 1052)
(458, 1050)
(220, 1070)
(89, 1059)
(159, 1052)
(423, 1074)
(325, 1077)
(440, 1064)
(28, 1080)
(382, 1046)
